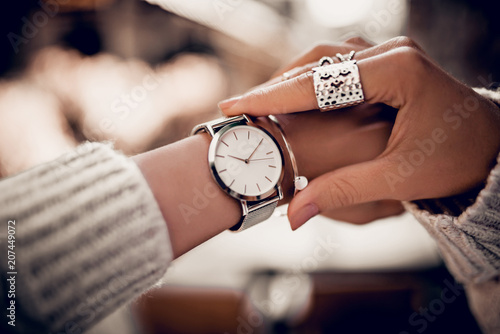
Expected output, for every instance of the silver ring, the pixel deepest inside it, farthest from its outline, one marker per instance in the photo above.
(344, 58)
(338, 85)
(328, 60)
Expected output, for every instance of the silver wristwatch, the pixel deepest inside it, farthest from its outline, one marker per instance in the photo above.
(246, 161)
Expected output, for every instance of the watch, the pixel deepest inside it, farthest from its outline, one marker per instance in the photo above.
(247, 163)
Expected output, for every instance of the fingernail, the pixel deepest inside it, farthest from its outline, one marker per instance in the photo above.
(226, 104)
(304, 214)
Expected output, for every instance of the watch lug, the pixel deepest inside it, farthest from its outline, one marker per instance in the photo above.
(280, 192)
(203, 128)
(244, 207)
(247, 118)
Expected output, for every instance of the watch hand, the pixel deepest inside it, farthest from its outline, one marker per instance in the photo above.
(236, 158)
(248, 159)
(261, 159)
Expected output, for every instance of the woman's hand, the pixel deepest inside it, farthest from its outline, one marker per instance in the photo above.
(444, 141)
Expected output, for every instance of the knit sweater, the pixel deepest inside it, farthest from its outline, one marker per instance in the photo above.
(469, 243)
(89, 237)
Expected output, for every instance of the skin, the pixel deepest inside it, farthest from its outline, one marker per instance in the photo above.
(176, 173)
(432, 106)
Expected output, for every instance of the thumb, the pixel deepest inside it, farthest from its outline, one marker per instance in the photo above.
(360, 183)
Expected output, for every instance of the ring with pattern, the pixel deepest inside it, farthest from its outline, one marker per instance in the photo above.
(337, 85)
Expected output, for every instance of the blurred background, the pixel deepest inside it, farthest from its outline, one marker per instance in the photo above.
(141, 74)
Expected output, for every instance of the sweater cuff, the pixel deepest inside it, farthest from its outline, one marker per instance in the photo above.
(89, 238)
(469, 241)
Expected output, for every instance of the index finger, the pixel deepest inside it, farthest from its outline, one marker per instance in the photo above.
(285, 97)
(312, 55)
(380, 79)
(309, 59)
(364, 49)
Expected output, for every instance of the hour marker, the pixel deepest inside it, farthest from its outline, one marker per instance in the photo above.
(268, 179)
(248, 134)
(258, 186)
(220, 156)
(222, 170)
(223, 142)
(272, 166)
(245, 191)
(269, 152)
(231, 183)
(234, 133)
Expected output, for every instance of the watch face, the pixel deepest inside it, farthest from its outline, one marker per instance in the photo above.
(247, 161)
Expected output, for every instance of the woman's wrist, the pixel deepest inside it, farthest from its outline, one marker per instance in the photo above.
(194, 207)
(192, 204)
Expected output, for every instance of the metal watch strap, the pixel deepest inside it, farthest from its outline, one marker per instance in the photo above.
(253, 212)
(254, 215)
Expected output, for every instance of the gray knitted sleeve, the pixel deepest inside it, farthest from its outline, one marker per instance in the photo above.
(470, 241)
(89, 237)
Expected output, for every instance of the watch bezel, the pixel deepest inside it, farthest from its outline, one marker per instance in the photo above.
(215, 174)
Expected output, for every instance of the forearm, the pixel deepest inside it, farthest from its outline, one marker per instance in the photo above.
(469, 243)
(468, 240)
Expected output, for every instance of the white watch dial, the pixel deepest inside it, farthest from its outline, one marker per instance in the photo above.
(247, 160)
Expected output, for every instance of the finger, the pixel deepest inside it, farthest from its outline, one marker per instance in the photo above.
(294, 72)
(366, 212)
(360, 41)
(282, 98)
(307, 61)
(380, 75)
(360, 183)
(317, 52)
(389, 47)
(363, 50)
(314, 54)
